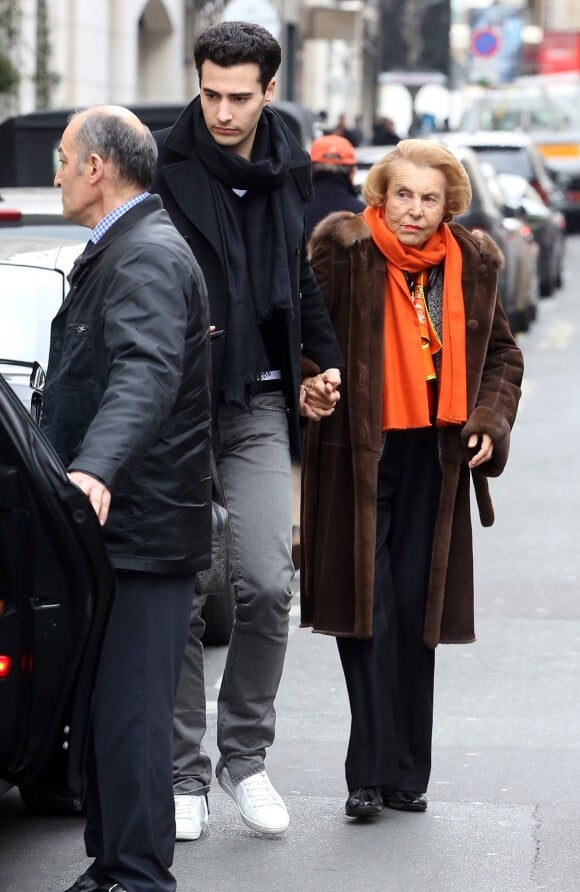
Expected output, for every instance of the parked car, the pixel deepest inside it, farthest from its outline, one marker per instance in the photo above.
(548, 227)
(514, 153)
(549, 114)
(527, 259)
(57, 588)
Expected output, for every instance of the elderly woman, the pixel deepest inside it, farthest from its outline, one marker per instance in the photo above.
(429, 397)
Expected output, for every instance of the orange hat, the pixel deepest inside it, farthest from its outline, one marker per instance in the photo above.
(332, 149)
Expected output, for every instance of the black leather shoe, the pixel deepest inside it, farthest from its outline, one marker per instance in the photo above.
(405, 801)
(86, 883)
(364, 802)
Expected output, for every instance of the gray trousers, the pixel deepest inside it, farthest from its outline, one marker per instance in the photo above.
(253, 459)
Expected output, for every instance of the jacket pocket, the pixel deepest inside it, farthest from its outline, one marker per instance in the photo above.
(78, 365)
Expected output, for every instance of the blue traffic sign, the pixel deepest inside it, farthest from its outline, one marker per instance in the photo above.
(484, 42)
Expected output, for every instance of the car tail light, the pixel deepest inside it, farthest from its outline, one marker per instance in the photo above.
(4, 666)
(10, 215)
(525, 230)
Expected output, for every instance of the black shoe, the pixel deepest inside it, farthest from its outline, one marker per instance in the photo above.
(364, 802)
(86, 883)
(405, 801)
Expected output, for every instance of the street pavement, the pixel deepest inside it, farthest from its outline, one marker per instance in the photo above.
(504, 813)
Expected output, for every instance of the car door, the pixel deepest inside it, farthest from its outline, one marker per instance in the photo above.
(57, 588)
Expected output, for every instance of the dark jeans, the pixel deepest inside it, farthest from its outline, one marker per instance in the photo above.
(130, 829)
(389, 677)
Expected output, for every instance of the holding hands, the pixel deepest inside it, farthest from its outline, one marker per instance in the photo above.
(319, 394)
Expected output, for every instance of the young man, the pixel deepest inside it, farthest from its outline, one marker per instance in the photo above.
(127, 407)
(235, 183)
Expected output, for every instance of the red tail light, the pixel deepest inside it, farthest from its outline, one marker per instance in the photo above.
(525, 230)
(4, 666)
(10, 215)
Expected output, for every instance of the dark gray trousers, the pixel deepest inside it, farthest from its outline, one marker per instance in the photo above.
(253, 459)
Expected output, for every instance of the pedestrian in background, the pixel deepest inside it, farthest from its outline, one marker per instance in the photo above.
(236, 182)
(127, 408)
(341, 128)
(384, 133)
(333, 170)
(431, 387)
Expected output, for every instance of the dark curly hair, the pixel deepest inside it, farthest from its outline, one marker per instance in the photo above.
(237, 43)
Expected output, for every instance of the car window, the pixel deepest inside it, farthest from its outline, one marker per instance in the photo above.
(507, 160)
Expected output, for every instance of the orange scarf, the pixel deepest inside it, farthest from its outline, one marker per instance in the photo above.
(405, 390)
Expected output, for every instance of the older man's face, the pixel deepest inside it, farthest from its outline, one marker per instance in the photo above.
(73, 178)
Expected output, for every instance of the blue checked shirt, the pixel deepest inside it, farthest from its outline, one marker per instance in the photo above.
(105, 224)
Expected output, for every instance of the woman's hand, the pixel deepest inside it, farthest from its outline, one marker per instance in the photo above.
(319, 394)
(484, 452)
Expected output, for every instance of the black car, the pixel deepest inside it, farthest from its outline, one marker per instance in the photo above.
(57, 589)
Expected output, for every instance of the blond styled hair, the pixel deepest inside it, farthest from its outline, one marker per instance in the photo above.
(422, 153)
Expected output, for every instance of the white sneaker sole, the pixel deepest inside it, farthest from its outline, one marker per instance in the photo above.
(257, 828)
(191, 836)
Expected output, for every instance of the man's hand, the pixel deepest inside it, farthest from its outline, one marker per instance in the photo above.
(485, 451)
(319, 394)
(96, 492)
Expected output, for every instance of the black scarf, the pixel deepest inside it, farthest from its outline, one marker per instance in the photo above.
(253, 243)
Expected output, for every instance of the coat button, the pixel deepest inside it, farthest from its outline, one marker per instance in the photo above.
(472, 324)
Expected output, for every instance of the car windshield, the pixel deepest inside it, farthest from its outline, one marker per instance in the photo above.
(29, 299)
(507, 160)
(528, 110)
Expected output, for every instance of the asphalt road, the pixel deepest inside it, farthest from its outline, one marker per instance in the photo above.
(504, 811)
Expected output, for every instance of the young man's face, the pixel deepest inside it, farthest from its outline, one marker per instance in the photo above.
(232, 100)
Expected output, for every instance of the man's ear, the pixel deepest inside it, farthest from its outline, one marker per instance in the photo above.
(96, 167)
(269, 94)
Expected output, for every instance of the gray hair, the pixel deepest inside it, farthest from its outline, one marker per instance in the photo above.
(132, 150)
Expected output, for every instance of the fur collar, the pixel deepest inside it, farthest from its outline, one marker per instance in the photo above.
(347, 229)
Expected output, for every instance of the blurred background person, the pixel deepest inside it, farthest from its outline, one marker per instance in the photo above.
(333, 169)
(430, 393)
(384, 133)
(341, 128)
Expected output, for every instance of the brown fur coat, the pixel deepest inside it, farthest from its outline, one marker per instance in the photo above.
(338, 522)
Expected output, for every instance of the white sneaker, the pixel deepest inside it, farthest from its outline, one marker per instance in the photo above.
(261, 807)
(191, 816)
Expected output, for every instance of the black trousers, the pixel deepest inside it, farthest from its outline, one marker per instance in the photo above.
(130, 830)
(389, 677)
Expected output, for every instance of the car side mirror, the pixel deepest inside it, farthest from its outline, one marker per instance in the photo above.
(37, 381)
(37, 377)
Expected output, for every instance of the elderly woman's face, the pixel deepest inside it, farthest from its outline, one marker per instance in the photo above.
(415, 203)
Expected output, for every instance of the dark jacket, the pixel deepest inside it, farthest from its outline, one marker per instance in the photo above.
(185, 188)
(332, 192)
(127, 391)
(339, 489)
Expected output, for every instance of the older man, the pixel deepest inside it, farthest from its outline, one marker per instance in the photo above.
(127, 409)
